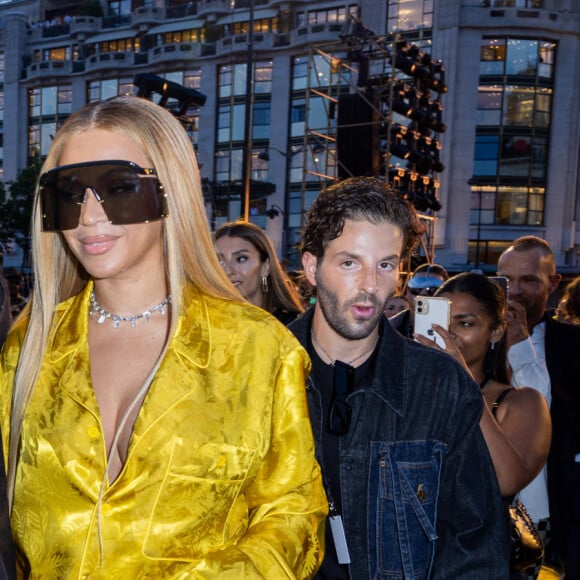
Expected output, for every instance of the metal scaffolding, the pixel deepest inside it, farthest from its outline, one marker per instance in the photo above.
(381, 95)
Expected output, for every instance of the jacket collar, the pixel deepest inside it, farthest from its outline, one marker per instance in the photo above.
(389, 381)
(192, 339)
(70, 324)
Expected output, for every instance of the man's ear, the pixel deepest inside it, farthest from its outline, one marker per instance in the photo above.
(554, 281)
(309, 265)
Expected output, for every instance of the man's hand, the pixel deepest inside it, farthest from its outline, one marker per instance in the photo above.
(517, 323)
(451, 347)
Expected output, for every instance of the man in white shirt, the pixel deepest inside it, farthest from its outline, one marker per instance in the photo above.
(534, 342)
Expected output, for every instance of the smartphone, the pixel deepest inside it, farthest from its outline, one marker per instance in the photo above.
(504, 283)
(429, 310)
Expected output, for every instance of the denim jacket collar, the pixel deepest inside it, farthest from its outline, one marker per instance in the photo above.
(389, 377)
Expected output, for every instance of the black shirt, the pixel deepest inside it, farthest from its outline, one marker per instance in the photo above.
(323, 378)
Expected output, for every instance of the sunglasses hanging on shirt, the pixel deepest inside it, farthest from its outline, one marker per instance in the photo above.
(128, 193)
(340, 410)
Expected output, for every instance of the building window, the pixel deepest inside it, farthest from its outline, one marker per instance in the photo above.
(261, 121)
(323, 72)
(120, 45)
(486, 155)
(48, 108)
(409, 15)
(514, 105)
(107, 88)
(232, 80)
(231, 132)
(232, 92)
(263, 77)
(338, 15)
(260, 25)
(513, 122)
(190, 78)
(518, 3)
(517, 57)
(61, 53)
(182, 36)
(119, 7)
(489, 104)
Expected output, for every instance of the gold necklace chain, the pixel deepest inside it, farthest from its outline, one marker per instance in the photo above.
(355, 359)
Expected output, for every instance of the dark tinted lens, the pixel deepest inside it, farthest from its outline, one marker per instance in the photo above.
(61, 203)
(128, 193)
(129, 198)
(430, 291)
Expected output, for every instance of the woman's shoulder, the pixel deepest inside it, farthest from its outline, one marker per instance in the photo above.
(526, 399)
(529, 396)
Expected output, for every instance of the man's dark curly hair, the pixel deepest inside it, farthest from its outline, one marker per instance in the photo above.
(359, 199)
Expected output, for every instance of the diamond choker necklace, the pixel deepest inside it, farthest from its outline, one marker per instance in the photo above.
(95, 307)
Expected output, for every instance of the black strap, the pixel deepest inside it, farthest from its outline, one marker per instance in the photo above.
(499, 400)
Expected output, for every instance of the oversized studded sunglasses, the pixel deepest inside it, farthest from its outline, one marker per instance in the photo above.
(129, 194)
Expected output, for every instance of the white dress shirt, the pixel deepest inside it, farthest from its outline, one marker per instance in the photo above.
(527, 360)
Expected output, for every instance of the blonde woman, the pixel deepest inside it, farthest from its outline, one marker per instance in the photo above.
(142, 441)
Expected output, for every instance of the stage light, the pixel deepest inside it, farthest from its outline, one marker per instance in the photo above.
(187, 97)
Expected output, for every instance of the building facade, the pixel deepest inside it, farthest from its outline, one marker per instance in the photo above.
(507, 159)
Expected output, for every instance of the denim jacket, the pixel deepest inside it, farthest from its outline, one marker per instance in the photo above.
(420, 497)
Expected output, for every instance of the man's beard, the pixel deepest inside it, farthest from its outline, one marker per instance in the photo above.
(336, 315)
(534, 310)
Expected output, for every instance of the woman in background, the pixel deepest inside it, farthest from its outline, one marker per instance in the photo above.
(396, 304)
(515, 422)
(249, 259)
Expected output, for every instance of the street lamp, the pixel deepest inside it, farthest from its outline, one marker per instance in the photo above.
(265, 156)
(474, 183)
(316, 147)
(249, 120)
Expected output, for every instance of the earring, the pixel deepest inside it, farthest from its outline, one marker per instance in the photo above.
(492, 345)
(264, 282)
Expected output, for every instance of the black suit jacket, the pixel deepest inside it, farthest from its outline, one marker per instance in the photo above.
(562, 347)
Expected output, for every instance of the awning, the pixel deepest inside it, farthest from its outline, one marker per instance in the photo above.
(114, 35)
(175, 26)
(245, 16)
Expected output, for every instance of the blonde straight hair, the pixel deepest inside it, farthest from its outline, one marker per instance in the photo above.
(190, 256)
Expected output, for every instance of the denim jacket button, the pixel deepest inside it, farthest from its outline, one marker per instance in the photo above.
(421, 493)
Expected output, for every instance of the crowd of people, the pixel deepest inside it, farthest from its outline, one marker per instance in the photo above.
(174, 405)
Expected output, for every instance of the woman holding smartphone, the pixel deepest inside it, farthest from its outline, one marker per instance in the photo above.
(516, 421)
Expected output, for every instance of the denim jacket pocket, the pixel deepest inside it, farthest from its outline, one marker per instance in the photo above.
(404, 484)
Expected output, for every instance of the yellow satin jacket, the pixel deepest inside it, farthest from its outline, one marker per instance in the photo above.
(220, 479)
